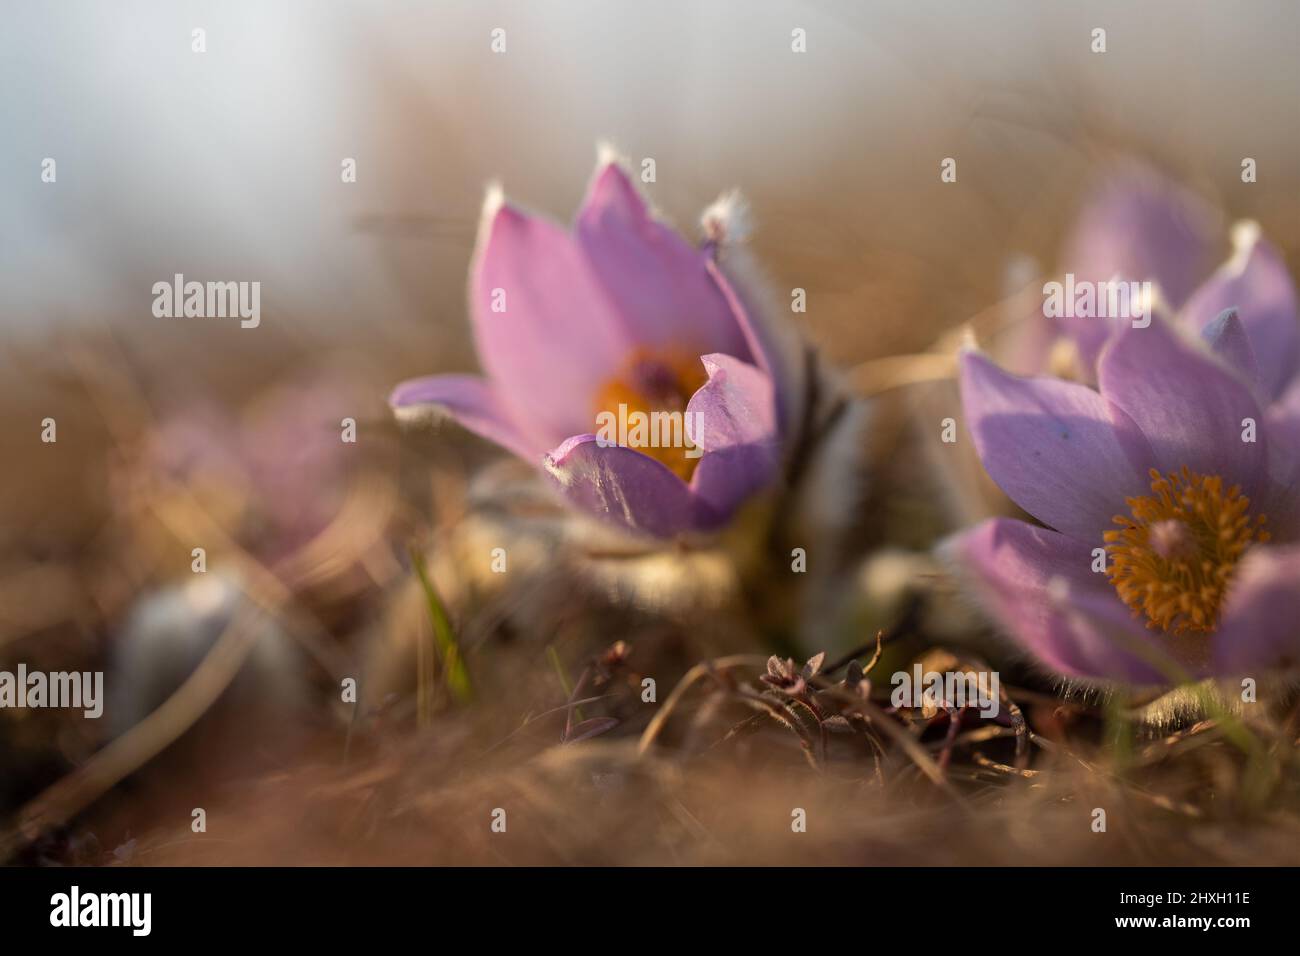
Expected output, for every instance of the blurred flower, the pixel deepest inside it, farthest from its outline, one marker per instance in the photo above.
(1140, 227)
(1157, 472)
(619, 316)
(275, 476)
(1136, 225)
(1255, 285)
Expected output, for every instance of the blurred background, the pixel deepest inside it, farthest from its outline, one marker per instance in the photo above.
(225, 165)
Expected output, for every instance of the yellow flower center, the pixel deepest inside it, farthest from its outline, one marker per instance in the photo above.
(653, 382)
(1172, 559)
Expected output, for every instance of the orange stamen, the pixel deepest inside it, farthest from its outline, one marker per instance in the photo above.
(1173, 558)
(656, 382)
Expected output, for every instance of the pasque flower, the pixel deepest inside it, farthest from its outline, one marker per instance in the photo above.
(618, 317)
(1139, 226)
(1169, 495)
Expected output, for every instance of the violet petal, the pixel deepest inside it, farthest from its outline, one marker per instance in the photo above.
(1053, 446)
(733, 419)
(1226, 336)
(1190, 407)
(1139, 226)
(1257, 628)
(1256, 283)
(1039, 585)
(624, 487)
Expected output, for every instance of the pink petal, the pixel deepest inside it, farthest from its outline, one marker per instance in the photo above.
(470, 401)
(658, 283)
(559, 339)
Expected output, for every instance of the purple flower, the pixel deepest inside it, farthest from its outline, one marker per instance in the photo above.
(1140, 227)
(1254, 284)
(1137, 225)
(1198, 525)
(617, 321)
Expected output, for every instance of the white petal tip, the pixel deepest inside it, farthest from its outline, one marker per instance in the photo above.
(493, 199)
(608, 154)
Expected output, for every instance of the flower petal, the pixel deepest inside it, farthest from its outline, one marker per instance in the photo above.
(558, 338)
(774, 344)
(734, 407)
(1258, 626)
(1054, 447)
(470, 401)
(658, 283)
(733, 419)
(1140, 226)
(1189, 406)
(1284, 432)
(773, 348)
(624, 487)
(1283, 426)
(1226, 336)
(1040, 587)
(1256, 283)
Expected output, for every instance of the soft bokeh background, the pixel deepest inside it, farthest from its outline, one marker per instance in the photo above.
(225, 166)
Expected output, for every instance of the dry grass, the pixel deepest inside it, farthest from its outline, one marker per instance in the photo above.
(95, 528)
(547, 721)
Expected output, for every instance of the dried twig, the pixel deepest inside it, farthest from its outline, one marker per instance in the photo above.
(703, 669)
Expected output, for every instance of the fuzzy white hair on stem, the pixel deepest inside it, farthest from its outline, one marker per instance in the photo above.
(727, 220)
